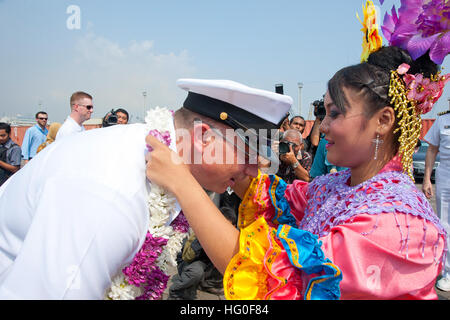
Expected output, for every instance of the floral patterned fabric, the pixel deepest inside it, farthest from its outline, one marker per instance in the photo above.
(276, 260)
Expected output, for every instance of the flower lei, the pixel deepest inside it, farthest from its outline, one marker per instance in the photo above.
(146, 277)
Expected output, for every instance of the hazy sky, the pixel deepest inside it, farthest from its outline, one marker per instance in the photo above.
(120, 49)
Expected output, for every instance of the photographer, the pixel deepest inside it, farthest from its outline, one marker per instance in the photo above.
(119, 116)
(312, 140)
(295, 162)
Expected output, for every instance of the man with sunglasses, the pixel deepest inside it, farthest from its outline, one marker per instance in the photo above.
(35, 136)
(71, 220)
(81, 110)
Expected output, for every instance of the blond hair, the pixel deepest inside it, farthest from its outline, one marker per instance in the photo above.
(79, 95)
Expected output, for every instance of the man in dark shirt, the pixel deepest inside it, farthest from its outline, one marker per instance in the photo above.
(10, 154)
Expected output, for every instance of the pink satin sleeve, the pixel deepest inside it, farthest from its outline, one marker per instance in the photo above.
(296, 196)
(383, 264)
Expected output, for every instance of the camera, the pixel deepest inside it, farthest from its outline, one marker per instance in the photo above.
(279, 88)
(283, 147)
(110, 119)
(319, 109)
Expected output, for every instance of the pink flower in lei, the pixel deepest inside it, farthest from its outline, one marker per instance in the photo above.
(143, 271)
(424, 91)
(180, 223)
(155, 286)
(143, 263)
(164, 137)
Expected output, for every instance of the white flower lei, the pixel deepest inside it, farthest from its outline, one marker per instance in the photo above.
(162, 206)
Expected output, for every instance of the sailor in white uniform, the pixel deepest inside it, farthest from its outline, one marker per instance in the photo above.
(78, 213)
(72, 217)
(439, 139)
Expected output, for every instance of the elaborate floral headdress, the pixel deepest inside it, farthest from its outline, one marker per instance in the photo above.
(420, 27)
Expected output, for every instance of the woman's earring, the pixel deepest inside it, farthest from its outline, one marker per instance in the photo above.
(377, 142)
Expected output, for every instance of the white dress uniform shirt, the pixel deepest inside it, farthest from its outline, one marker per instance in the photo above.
(439, 135)
(72, 218)
(69, 127)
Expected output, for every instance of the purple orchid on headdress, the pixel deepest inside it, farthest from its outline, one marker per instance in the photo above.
(420, 26)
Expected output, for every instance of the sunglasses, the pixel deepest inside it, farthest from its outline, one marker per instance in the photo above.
(87, 106)
(43, 118)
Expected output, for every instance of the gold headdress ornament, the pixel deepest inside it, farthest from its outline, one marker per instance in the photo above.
(409, 123)
(412, 96)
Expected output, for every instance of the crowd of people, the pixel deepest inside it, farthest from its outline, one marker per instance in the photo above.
(297, 160)
(41, 135)
(195, 272)
(103, 213)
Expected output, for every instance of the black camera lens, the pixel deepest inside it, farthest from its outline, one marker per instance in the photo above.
(283, 148)
(319, 109)
(112, 119)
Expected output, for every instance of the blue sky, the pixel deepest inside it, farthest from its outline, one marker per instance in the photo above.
(123, 48)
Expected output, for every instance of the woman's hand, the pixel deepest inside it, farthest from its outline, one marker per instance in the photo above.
(218, 237)
(165, 167)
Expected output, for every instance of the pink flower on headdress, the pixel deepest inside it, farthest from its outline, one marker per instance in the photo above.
(424, 90)
(403, 68)
(418, 87)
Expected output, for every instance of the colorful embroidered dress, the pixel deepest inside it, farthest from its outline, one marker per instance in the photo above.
(328, 240)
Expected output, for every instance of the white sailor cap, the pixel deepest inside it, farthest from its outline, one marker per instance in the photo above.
(254, 108)
(238, 106)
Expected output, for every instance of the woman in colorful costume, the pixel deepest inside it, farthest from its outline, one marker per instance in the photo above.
(362, 233)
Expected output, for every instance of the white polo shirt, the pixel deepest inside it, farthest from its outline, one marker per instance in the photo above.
(69, 127)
